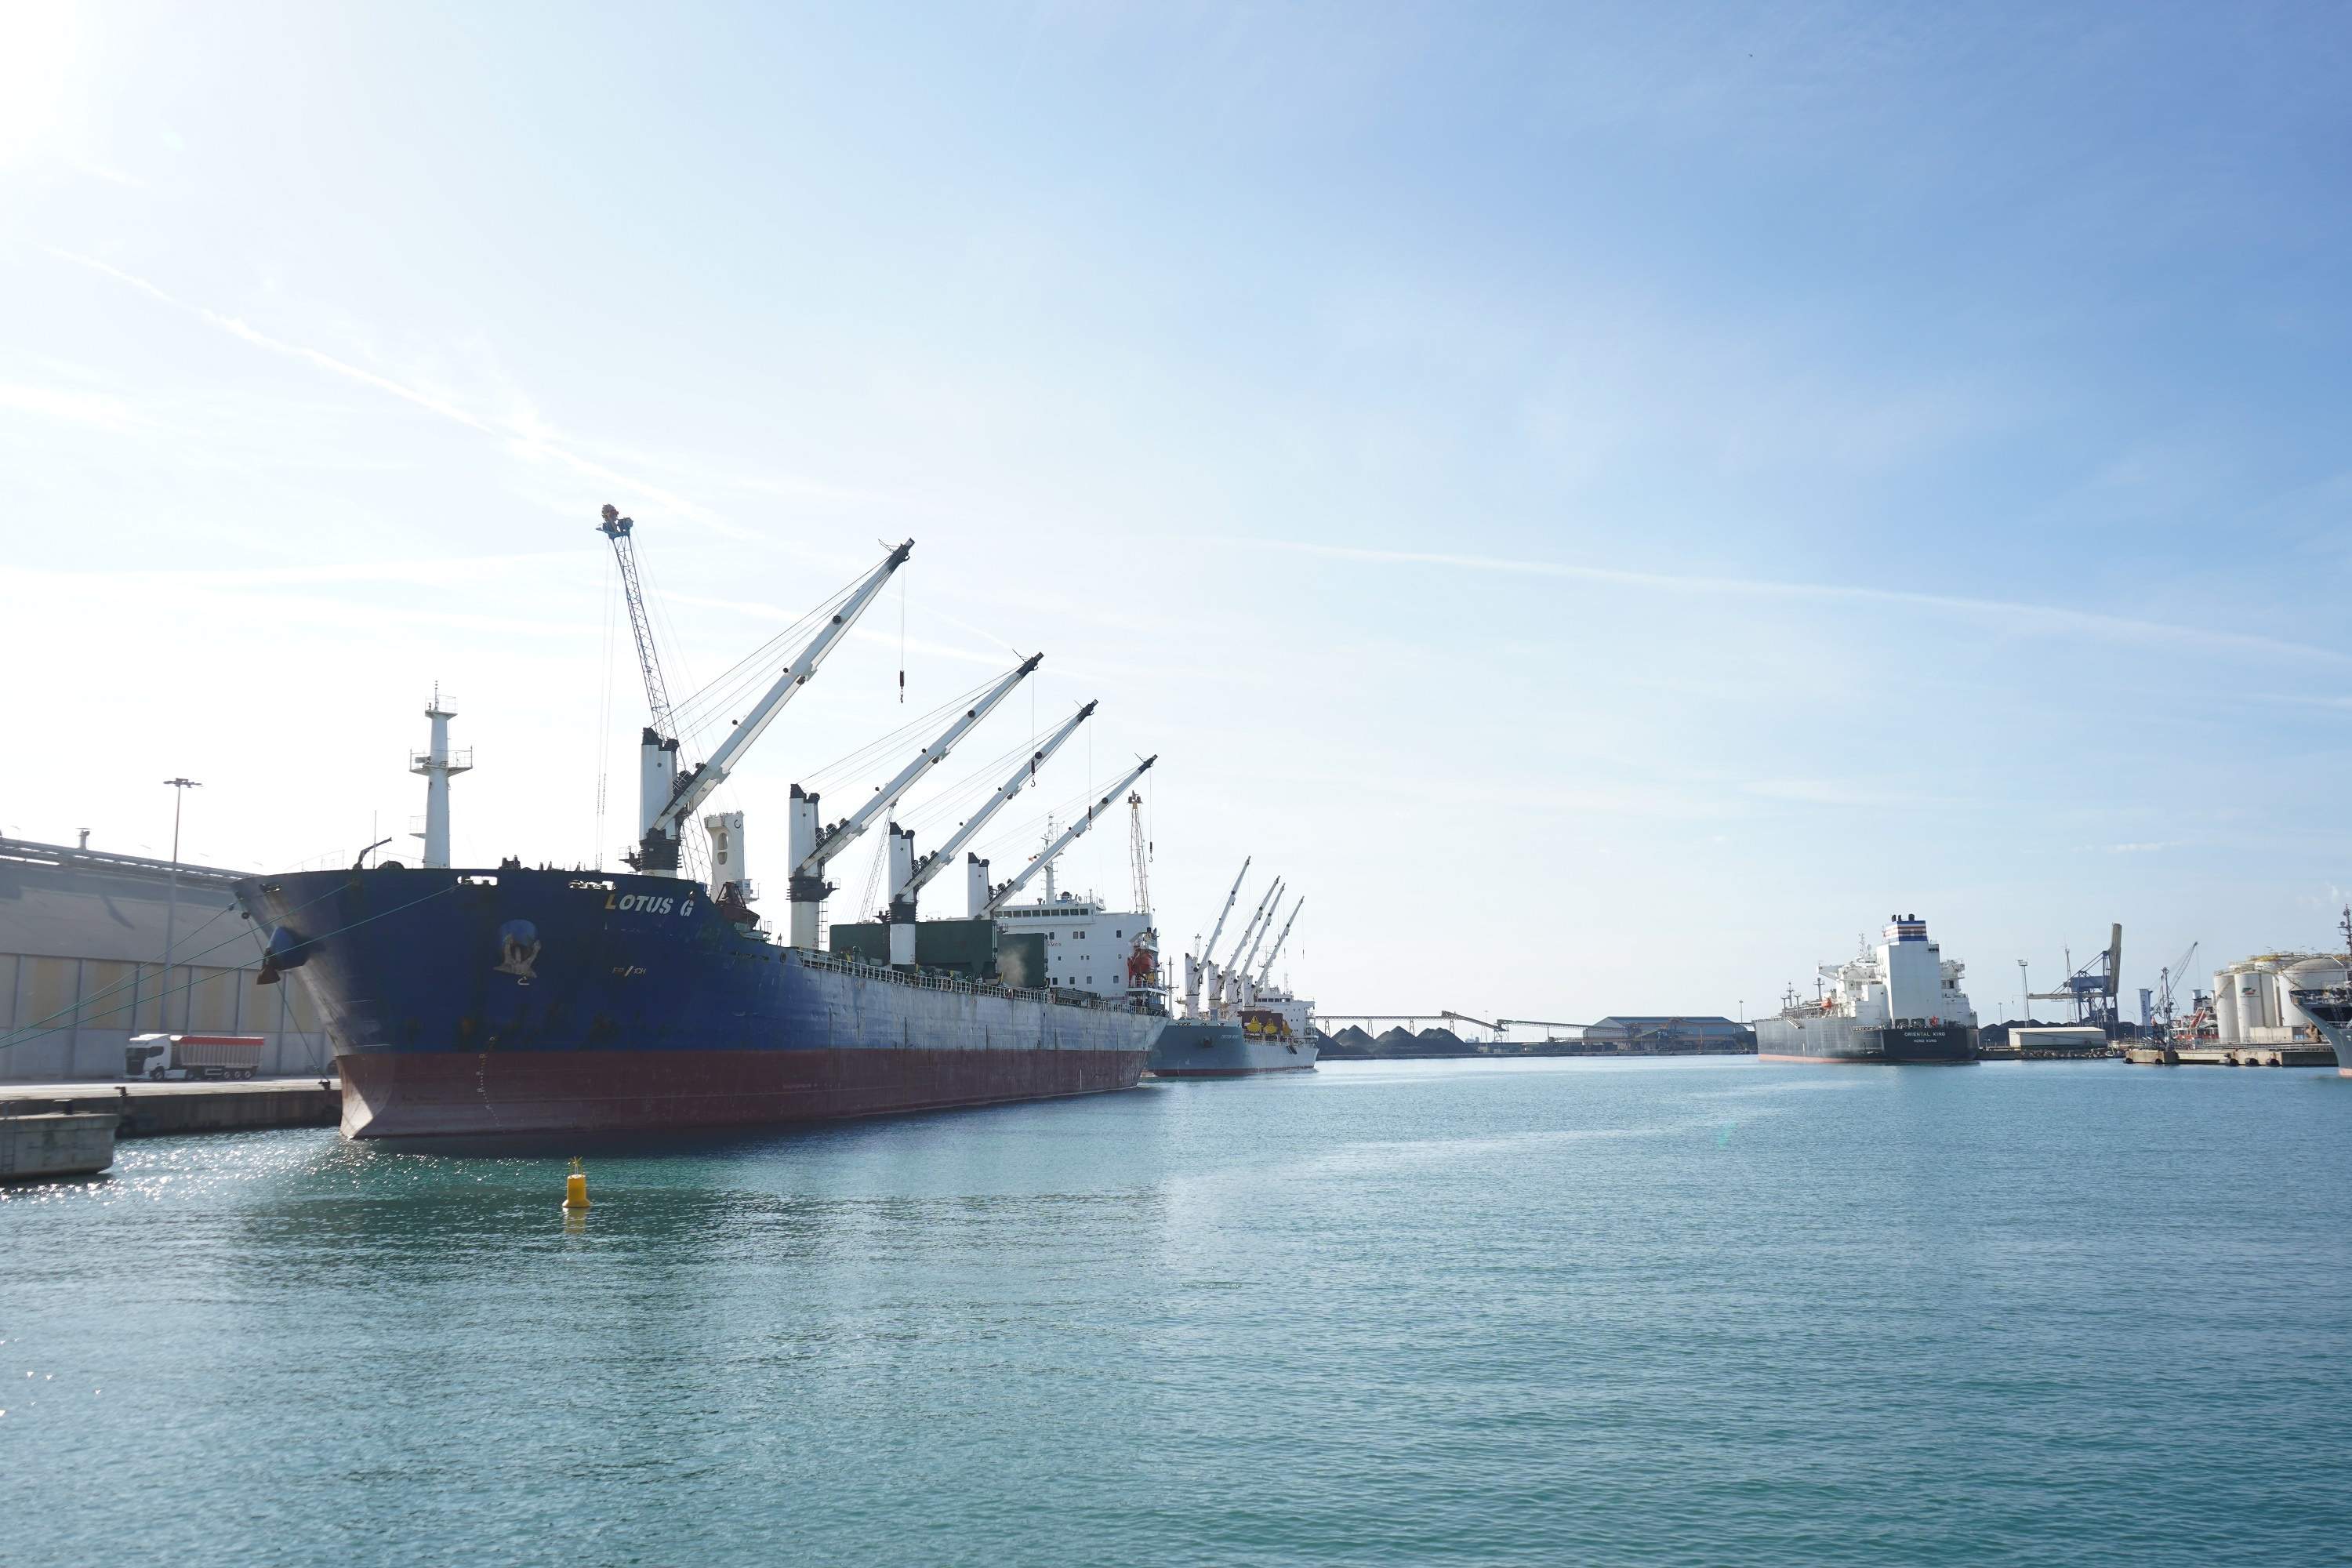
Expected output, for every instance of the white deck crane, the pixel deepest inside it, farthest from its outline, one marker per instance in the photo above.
(1193, 966)
(1246, 953)
(999, 896)
(1266, 968)
(1221, 974)
(812, 847)
(657, 850)
(910, 876)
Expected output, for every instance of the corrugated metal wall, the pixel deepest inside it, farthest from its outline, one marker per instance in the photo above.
(81, 940)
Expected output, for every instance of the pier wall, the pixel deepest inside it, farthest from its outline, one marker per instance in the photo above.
(81, 950)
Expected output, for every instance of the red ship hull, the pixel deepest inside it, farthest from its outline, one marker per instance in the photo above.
(412, 1094)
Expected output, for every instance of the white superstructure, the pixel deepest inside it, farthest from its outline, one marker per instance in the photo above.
(1103, 951)
(1904, 980)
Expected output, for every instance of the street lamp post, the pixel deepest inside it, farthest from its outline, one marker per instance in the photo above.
(180, 788)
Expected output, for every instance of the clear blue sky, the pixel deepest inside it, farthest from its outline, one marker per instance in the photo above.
(1611, 502)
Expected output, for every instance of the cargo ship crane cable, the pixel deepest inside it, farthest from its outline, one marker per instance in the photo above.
(813, 845)
(851, 766)
(1020, 879)
(939, 859)
(971, 790)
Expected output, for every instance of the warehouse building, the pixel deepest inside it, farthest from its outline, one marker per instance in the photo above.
(82, 937)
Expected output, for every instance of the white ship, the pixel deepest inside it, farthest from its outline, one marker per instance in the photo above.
(1901, 1002)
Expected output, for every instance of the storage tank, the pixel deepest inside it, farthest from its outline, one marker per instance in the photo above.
(2254, 1009)
(2225, 1004)
(2312, 972)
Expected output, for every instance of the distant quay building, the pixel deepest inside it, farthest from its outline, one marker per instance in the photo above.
(82, 965)
(1635, 1034)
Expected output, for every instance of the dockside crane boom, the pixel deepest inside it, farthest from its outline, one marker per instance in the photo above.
(1266, 968)
(1255, 915)
(1020, 880)
(940, 859)
(1219, 974)
(622, 531)
(812, 847)
(1196, 967)
(658, 742)
(1219, 930)
(1248, 954)
(657, 852)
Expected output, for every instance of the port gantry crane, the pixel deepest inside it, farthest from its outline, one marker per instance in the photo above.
(909, 875)
(2093, 987)
(1020, 880)
(811, 847)
(2166, 982)
(1193, 966)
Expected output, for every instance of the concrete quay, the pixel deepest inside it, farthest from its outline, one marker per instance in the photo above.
(55, 1144)
(150, 1110)
(2286, 1055)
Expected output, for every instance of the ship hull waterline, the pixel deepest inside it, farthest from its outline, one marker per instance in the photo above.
(445, 1094)
(1835, 1042)
(1203, 1049)
(513, 1002)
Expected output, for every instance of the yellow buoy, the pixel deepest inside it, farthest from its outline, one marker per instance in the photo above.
(575, 1188)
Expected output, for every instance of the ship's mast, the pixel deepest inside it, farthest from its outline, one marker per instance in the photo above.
(1138, 854)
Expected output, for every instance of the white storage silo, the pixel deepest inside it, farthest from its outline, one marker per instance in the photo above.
(2254, 1009)
(2311, 973)
(2225, 1004)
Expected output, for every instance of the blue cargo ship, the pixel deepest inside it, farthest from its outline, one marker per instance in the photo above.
(514, 1001)
(538, 1001)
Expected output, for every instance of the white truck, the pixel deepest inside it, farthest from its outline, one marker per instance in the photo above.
(180, 1057)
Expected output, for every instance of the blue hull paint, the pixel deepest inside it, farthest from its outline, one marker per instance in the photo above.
(551, 1001)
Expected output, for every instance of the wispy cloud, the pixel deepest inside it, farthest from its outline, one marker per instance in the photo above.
(2046, 620)
(533, 442)
(64, 402)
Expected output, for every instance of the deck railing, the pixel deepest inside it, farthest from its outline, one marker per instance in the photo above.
(924, 980)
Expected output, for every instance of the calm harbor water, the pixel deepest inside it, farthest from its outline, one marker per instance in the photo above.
(1711, 1311)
